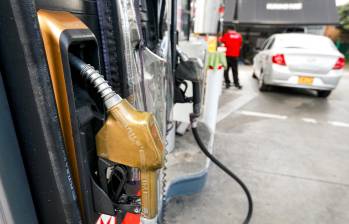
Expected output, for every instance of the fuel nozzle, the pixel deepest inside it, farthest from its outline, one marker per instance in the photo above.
(190, 69)
(128, 137)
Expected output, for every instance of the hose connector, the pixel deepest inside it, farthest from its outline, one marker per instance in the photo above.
(194, 120)
(89, 73)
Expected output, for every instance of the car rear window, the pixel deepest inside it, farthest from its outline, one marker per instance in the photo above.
(305, 42)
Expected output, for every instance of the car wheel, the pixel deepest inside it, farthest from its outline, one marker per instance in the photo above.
(262, 86)
(323, 93)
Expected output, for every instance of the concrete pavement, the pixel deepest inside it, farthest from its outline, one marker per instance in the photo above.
(289, 146)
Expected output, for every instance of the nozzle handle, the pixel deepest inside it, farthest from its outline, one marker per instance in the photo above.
(196, 98)
(149, 193)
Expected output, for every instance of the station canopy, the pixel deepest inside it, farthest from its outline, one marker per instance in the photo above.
(281, 12)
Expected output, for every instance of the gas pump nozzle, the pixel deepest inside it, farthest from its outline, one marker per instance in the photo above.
(128, 137)
(190, 69)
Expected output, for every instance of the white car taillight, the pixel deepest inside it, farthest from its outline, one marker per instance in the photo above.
(278, 59)
(340, 63)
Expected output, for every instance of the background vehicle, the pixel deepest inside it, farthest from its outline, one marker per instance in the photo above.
(300, 61)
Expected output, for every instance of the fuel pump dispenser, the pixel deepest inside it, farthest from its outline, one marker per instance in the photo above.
(114, 150)
(189, 70)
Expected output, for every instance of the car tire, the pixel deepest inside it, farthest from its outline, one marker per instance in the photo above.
(323, 93)
(262, 86)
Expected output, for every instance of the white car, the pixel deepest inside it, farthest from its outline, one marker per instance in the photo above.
(300, 61)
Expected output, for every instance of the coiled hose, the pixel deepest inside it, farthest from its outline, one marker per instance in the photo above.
(226, 170)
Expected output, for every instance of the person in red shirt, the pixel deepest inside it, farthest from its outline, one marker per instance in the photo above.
(232, 40)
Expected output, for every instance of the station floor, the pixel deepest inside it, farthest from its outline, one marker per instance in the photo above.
(291, 149)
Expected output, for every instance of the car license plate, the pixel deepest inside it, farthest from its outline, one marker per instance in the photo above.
(305, 80)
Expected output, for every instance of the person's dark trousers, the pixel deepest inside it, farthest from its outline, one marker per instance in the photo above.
(232, 63)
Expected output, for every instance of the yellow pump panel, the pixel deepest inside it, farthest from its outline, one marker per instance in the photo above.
(52, 25)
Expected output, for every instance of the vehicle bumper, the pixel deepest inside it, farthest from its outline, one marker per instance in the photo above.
(282, 76)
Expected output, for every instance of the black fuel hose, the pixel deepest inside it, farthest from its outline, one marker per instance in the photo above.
(227, 171)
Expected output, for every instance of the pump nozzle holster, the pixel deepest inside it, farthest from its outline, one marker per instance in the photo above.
(132, 138)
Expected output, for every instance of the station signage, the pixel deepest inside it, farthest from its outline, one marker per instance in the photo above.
(284, 6)
(281, 12)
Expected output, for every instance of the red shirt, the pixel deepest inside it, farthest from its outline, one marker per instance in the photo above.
(232, 41)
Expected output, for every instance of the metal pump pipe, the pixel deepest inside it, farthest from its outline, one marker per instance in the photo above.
(109, 96)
